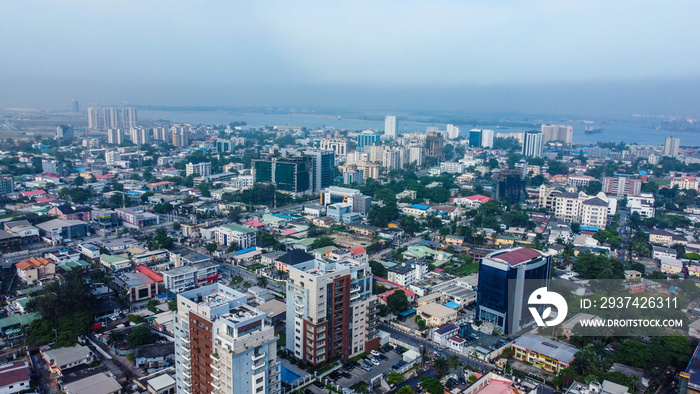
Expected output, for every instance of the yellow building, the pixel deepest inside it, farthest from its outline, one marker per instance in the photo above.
(549, 355)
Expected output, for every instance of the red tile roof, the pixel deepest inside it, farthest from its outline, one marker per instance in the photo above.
(33, 192)
(149, 273)
(517, 256)
(358, 250)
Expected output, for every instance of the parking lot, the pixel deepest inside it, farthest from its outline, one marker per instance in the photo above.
(358, 374)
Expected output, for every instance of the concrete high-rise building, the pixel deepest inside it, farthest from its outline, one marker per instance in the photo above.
(331, 311)
(391, 160)
(452, 132)
(64, 132)
(671, 146)
(506, 280)
(390, 126)
(475, 138)
(160, 133)
(112, 157)
(181, 136)
(7, 185)
(129, 118)
(369, 170)
(290, 174)
(622, 186)
(140, 135)
(533, 143)
(223, 345)
(323, 167)
(115, 136)
(93, 118)
(111, 118)
(54, 167)
(375, 153)
(74, 106)
(201, 169)
(487, 139)
(416, 153)
(509, 183)
(434, 144)
(557, 133)
(337, 145)
(368, 138)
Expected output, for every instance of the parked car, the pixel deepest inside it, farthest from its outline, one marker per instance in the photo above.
(439, 348)
(375, 362)
(366, 368)
(374, 353)
(383, 357)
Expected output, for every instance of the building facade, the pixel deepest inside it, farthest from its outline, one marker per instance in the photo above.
(331, 311)
(291, 174)
(223, 345)
(506, 278)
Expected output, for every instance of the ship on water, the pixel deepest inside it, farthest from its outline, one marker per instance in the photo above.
(592, 130)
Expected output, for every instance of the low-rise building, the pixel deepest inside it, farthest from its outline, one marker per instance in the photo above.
(58, 230)
(187, 277)
(34, 270)
(137, 217)
(114, 262)
(99, 383)
(662, 237)
(244, 237)
(444, 332)
(435, 314)
(552, 356)
(61, 359)
(15, 377)
(137, 285)
(90, 251)
(153, 358)
(24, 230)
(659, 252)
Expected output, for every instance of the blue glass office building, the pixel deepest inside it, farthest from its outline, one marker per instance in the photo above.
(475, 138)
(506, 279)
(366, 139)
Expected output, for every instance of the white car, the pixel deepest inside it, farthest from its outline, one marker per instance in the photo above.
(374, 353)
(375, 362)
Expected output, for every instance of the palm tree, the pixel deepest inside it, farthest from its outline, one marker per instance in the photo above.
(454, 362)
(262, 281)
(440, 365)
(423, 356)
(115, 338)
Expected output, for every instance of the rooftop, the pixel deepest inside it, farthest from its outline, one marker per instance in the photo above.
(515, 256)
(556, 350)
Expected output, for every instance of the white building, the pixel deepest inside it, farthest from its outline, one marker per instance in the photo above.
(671, 146)
(338, 145)
(407, 273)
(244, 237)
(643, 204)
(533, 143)
(452, 132)
(202, 169)
(487, 139)
(112, 157)
(223, 345)
(390, 127)
(115, 136)
(557, 133)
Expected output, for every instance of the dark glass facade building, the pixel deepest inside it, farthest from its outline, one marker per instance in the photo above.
(291, 174)
(506, 279)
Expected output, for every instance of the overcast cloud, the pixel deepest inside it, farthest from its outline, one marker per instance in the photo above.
(485, 55)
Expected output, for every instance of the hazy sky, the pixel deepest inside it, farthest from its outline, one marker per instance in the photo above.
(562, 56)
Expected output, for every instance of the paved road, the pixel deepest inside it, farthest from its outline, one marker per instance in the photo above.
(431, 347)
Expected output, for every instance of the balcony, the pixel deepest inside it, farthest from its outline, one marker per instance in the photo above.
(258, 356)
(186, 390)
(187, 382)
(186, 357)
(185, 339)
(259, 365)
